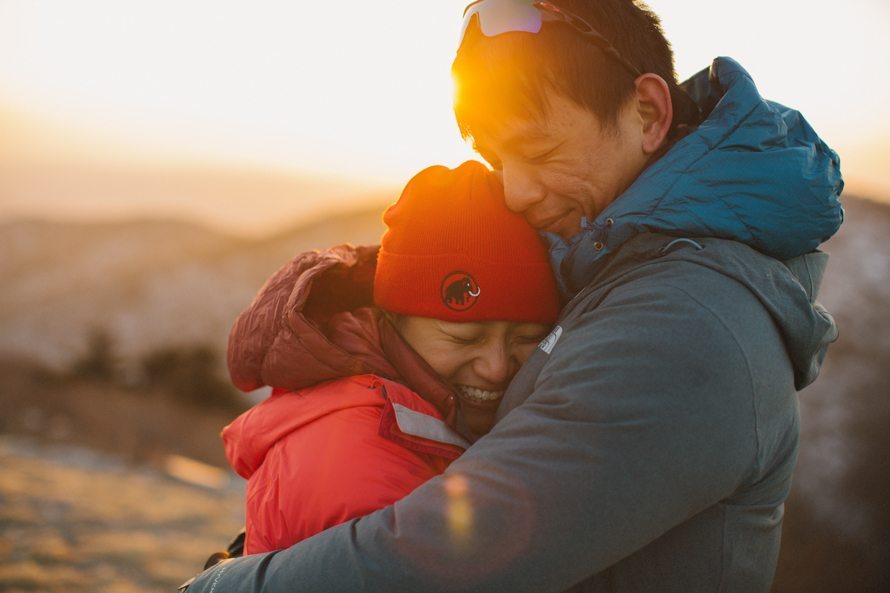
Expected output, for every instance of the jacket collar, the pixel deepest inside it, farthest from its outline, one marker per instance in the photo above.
(753, 171)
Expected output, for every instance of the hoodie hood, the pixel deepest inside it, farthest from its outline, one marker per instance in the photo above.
(314, 321)
(753, 171)
(786, 290)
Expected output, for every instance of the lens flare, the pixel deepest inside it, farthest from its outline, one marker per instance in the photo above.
(460, 510)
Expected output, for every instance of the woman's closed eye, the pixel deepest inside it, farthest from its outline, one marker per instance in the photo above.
(464, 340)
(530, 333)
(530, 338)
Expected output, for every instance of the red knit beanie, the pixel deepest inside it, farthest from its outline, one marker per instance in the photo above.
(453, 251)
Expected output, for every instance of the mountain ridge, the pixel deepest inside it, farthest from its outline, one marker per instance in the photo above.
(146, 283)
(156, 281)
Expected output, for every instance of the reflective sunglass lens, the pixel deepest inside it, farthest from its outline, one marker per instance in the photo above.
(495, 17)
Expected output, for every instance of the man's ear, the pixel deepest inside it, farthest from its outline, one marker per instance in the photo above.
(655, 110)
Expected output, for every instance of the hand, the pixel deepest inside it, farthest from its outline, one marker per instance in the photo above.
(233, 550)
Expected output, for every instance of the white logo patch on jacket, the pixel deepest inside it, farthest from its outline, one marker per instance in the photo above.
(549, 342)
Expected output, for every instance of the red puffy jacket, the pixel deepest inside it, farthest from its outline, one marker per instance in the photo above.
(357, 419)
(333, 452)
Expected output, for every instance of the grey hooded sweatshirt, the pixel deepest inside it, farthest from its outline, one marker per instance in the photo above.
(648, 444)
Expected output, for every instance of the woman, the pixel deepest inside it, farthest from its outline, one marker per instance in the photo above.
(385, 366)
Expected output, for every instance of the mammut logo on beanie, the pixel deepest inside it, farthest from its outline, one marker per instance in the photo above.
(459, 291)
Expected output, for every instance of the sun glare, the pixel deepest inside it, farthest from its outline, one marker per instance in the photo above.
(291, 84)
(362, 91)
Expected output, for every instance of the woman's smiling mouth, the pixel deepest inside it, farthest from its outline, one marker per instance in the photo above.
(479, 396)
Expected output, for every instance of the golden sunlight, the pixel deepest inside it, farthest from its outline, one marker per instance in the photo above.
(282, 84)
(359, 104)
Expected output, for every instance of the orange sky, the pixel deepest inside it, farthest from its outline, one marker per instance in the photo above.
(58, 171)
(317, 110)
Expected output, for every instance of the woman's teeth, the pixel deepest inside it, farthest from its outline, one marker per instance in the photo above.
(480, 395)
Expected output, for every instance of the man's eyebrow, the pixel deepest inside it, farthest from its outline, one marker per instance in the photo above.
(526, 134)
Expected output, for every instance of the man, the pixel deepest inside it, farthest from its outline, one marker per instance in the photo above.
(648, 444)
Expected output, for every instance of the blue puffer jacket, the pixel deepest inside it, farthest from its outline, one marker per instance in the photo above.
(754, 172)
(647, 446)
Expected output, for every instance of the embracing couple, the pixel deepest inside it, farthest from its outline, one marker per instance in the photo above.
(575, 371)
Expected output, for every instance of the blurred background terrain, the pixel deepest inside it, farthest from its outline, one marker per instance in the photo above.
(159, 160)
(114, 392)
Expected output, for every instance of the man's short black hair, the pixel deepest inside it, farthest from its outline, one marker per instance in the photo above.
(507, 76)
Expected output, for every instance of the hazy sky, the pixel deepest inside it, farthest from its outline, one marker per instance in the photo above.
(362, 90)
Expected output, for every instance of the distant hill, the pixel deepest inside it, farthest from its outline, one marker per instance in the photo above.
(147, 284)
(837, 519)
(152, 283)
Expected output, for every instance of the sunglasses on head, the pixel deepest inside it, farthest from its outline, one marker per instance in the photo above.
(495, 17)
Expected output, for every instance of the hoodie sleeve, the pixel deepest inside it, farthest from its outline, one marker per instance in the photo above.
(640, 418)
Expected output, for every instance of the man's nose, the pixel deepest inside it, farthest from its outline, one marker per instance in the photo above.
(521, 190)
(497, 365)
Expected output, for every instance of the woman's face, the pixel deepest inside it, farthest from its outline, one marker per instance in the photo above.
(477, 358)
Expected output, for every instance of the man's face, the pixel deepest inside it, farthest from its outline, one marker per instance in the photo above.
(565, 164)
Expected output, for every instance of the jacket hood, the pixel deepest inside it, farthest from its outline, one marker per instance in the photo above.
(753, 171)
(786, 290)
(314, 321)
